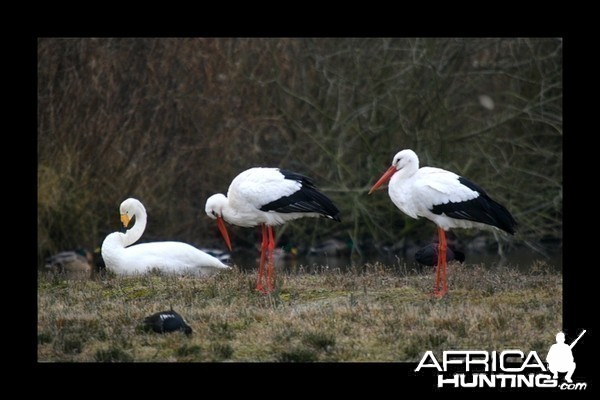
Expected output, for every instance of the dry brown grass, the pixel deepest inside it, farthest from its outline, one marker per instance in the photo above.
(372, 313)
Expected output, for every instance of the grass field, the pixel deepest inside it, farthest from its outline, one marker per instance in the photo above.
(371, 313)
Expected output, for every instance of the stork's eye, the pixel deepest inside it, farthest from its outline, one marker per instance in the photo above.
(214, 213)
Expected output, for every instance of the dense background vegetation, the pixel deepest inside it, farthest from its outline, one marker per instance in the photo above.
(172, 121)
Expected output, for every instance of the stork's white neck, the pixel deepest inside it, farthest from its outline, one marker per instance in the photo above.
(240, 213)
(407, 171)
(238, 216)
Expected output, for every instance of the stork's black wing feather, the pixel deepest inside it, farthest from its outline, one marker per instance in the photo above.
(480, 209)
(306, 200)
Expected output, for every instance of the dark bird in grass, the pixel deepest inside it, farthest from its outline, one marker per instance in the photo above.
(428, 255)
(75, 263)
(167, 321)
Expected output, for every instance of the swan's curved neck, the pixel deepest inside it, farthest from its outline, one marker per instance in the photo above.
(132, 235)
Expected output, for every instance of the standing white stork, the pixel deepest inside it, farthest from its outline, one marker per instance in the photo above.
(445, 198)
(268, 197)
(172, 257)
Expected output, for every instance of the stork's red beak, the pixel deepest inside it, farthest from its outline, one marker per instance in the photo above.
(221, 226)
(384, 178)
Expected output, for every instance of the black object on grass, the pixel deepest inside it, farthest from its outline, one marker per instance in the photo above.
(167, 321)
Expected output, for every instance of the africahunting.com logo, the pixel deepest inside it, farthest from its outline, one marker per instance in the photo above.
(506, 369)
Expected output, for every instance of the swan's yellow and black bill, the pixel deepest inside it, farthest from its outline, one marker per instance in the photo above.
(384, 178)
(125, 220)
(221, 226)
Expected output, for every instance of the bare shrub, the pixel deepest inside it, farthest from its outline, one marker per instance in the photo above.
(171, 121)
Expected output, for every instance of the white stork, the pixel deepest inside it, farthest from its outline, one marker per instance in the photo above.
(172, 257)
(445, 198)
(268, 197)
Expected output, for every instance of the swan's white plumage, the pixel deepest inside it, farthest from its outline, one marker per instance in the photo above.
(171, 257)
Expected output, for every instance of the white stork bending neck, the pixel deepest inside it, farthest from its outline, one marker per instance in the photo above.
(268, 197)
(240, 215)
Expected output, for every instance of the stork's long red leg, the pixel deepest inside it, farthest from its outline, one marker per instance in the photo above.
(444, 262)
(261, 267)
(270, 260)
(441, 286)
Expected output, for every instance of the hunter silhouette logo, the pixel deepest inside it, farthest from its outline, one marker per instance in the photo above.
(560, 357)
(509, 368)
